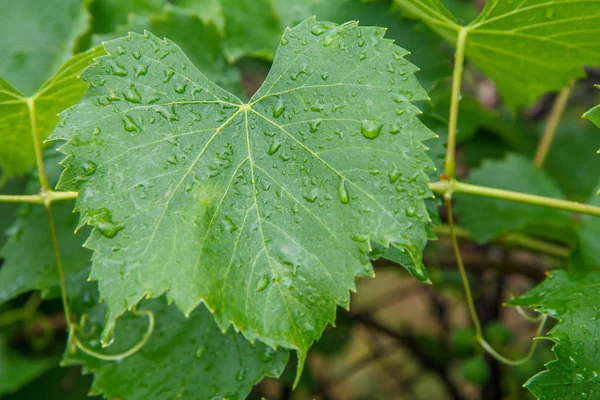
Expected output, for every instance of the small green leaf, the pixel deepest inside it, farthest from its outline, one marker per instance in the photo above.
(19, 114)
(187, 358)
(16, 370)
(198, 195)
(38, 36)
(488, 218)
(526, 47)
(571, 298)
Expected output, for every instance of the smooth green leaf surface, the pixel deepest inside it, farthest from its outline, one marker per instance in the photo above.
(17, 370)
(184, 358)
(29, 262)
(572, 298)
(263, 210)
(526, 47)
(518, 174)
(19, 114)
(594, 114)
(31, 47)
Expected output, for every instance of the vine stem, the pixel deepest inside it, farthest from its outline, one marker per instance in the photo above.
(471, 304)
(558, 109)
(42, 198)
(459, 60)
(454, 186)
(510, 240)
(37, 144)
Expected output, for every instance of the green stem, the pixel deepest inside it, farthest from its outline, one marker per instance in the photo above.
(37, 144)
(461, 267)
(510, 240)
(471, 304)
(42, 198)
(59, 266)
(453, 186)
(459, 60)
(557, 111)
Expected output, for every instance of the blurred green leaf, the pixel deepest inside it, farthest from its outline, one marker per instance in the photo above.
(19, 114)
(526, 47)
(36, 38)
(488, 218)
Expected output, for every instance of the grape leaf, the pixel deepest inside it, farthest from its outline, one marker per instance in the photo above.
(264, 210)
(200, 41)
(19, 113)
(24, 270)
(518, 174)
(526, 47)
(425, 47)
(17, 370)
(184, 358)
(32, 49)
(571, 297)
(250, 28)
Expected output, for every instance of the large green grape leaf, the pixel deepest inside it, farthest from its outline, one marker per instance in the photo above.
(201, 42)
(185, 358)
(20, 114)
(16, 370)
(488, 218)
(29, 262)
(526, 47)
(264, 211)
(36, 38)
(572, 298)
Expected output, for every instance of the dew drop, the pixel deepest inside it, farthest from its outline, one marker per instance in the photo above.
(410, 212)
(267, 355)
(370, 129)
(263, 282)
(129, 125)
(274, 147)
(317, 29)
(328, 41)
(343, 192)
(89, 167)
(279, 107)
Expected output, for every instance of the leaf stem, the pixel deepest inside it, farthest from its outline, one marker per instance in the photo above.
(59, 266)
(37, 144)
(510, 240)
(459, 60)
(471, 304)
(454, 186)
(558, 109)
(42, 198)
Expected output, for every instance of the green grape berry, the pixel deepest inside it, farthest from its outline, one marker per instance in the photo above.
(463, 342)
(476, 370)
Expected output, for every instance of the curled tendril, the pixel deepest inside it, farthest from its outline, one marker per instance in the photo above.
(471, 305)
(76, 343)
